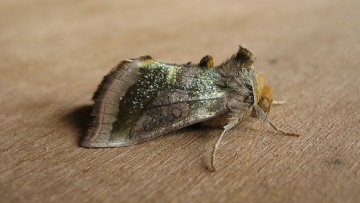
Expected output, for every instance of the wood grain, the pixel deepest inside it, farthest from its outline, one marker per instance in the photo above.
(54, 54)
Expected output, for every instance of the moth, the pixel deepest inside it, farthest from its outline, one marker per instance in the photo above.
(143, 98)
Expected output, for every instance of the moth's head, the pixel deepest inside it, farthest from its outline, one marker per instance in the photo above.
(265, 100)
(263, 95)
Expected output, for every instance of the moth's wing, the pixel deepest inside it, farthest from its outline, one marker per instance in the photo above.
(187, 95)
(173, 109)
(107, 97)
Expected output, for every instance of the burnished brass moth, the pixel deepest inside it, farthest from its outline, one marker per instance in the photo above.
(143, 98)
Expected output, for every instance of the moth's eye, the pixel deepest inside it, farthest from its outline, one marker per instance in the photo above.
(264, 104)
(265, 99)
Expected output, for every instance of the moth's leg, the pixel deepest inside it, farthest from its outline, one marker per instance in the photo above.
(216, 145)
(207, 61)
(278, 102)
(281, 131)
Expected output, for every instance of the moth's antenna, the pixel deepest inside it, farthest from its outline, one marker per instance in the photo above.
(283, 132)
(275, 126)
(216, 145)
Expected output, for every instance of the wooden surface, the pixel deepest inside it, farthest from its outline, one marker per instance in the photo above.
(53, 54)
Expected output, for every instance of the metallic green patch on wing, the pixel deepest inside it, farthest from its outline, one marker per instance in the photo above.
(166, 95)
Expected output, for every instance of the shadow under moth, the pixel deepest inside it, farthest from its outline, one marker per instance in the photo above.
(143, 98)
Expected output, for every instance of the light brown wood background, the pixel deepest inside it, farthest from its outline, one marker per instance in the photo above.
(53, 54)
